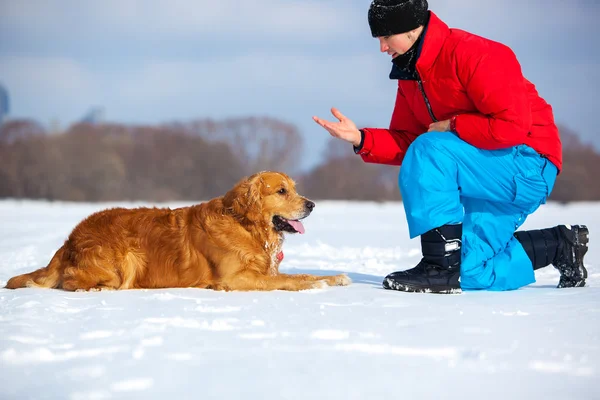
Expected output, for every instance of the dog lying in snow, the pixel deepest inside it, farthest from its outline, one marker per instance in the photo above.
(231, 242)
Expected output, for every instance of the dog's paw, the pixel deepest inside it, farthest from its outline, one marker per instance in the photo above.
(322, 284)
(96, 289)
(341, 280)
(219, 287)
(338, 280)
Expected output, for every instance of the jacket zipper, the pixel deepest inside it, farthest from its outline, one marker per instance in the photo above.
(420, 82)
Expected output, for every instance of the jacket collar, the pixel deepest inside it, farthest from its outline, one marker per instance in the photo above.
(434, 35)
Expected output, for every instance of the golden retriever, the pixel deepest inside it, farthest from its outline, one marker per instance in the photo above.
(231, 242)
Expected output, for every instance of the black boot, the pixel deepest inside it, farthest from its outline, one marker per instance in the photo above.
(562, 246)
(439, 270)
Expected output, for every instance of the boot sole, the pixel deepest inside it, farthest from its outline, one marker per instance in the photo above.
(582, 238)
(391, 285)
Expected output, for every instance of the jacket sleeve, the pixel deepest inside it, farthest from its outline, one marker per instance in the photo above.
(388, 146)
(495, 84)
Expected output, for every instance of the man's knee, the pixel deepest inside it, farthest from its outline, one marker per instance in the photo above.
(432, 144)
(440, 139)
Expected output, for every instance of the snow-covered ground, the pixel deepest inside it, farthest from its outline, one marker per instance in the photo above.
(356, 342)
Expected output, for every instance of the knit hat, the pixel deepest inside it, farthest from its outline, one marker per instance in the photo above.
(390, 17)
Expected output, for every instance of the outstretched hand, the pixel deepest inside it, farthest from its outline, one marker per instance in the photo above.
(345, 129)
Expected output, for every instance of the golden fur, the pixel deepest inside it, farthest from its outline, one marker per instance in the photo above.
(229, 243)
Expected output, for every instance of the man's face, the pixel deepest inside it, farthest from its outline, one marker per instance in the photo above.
(395, 45)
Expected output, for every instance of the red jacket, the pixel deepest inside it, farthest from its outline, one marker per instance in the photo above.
(479, 82)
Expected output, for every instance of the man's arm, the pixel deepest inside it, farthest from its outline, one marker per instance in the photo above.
(388, 146)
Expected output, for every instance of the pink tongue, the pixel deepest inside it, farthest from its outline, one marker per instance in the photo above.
(297, 225)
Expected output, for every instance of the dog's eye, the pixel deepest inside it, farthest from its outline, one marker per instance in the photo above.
(282, 191)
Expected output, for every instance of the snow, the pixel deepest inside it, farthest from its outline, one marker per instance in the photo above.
(355, 342)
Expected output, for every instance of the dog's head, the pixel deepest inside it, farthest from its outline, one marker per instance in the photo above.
(269, 198)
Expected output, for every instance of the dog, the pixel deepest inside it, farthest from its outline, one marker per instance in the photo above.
(233, 242)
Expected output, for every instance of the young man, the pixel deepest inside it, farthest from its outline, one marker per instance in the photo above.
(479, 151)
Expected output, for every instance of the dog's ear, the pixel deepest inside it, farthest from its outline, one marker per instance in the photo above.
(245, 198)
(254, 194)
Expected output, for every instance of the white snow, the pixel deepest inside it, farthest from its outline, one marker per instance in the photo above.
(355, 342)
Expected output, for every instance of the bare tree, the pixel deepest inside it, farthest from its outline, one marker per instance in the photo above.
(259, 143)
(344, 175)
(116, 162)
(203, 160)
(19, 129)
(578, 179)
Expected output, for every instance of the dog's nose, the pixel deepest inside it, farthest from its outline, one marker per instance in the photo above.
(310, 205)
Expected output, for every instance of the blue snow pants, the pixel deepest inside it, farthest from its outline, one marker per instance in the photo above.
(445, 180)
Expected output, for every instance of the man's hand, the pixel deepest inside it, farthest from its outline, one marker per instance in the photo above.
(440, 126)
(345, 129)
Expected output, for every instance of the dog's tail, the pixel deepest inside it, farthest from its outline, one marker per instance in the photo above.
(48, 277)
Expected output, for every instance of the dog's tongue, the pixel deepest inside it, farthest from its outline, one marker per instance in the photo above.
(297, 225)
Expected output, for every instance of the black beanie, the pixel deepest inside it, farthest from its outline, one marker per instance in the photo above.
(390, 17)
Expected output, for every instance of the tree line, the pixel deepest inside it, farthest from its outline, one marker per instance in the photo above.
(203, 159)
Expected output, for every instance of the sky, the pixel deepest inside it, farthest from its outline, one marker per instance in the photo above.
(156, 61)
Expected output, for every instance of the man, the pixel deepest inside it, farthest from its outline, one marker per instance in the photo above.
(479, 151)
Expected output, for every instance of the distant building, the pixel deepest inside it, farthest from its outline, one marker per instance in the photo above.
(4, 103)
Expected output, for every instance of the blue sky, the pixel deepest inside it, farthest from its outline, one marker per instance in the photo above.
(157, 61)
